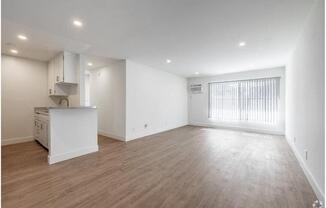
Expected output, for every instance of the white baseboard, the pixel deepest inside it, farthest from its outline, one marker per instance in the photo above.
(318, 191)
(16, 140)
(263, 131)
(103, 133)
(61, 157)
(156, 131)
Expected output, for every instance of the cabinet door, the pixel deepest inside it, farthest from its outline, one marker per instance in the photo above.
(51, 80)
(37, 129)
(44, 133)
(53, 88)
(70, 67)
(55, 69)
(58, 65)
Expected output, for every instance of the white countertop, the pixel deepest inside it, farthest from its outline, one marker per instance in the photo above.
(76, 107)
(70, 108)
(46, 110)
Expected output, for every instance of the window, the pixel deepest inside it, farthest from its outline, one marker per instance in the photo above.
(255, 100)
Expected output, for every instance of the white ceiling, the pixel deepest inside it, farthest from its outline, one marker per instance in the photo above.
(197, 35)
(98, 62)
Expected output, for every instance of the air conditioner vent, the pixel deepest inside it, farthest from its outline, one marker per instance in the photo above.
(196, 88)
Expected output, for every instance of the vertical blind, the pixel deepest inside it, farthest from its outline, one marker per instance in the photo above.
(255, 100)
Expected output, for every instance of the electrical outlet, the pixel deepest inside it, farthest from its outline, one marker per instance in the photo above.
(306, 154)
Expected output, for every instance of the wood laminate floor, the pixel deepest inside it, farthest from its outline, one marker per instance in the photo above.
(185, 167)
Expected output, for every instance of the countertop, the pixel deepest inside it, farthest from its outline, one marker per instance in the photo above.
(77, 107)
(45, 110)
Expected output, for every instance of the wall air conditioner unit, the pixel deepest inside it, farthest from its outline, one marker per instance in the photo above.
(196, 88)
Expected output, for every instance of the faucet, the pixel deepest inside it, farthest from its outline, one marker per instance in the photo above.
(66, 99)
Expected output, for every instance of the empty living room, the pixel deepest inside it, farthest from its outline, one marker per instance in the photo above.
(155, 103)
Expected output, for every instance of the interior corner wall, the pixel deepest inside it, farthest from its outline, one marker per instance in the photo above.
(305, 96)
(156, 101)
(107, 93)
(77, 92)
(23, 87)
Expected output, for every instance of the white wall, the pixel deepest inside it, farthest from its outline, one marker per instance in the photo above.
(73, 133)
(77, 92)
(107, 93)
(155, 98)
(23, 87)
(198, 103)
(305, 106)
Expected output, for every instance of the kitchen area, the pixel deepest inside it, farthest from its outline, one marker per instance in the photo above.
(67, 129)
(62, 101)
(66, 132)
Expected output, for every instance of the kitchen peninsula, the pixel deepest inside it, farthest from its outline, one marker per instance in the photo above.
(66, 132)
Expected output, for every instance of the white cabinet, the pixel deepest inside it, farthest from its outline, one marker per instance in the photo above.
(62, 72)
(70, 64)
(53, 88)
(66, 68)
(58, 68)
(41, 129)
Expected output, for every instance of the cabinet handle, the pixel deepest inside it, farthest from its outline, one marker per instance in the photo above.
(57, 78)
(34, 123)
(41, 126)
(50, 91)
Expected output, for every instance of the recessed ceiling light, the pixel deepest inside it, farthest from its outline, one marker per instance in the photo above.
(78, 23)
(90, 64)
(196, 72)
(168, 61)
(241, 44)
(14, 51)
(22, 37)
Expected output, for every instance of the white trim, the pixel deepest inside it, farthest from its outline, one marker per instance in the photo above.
(60, 157)
(16, 140)
(112, 136)
(149, 133)
(318, 191)
(263, 131)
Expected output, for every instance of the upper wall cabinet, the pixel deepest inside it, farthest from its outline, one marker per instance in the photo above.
(62, 72)
(66, 68)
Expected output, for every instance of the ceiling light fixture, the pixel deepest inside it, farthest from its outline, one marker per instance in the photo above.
(241, 44)
(168, 61)
(22, 37)
(14, 51)
(78, 23)
(196, 73)
(90, 64)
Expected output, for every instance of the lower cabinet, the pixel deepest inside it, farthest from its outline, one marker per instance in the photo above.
(41, 130)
